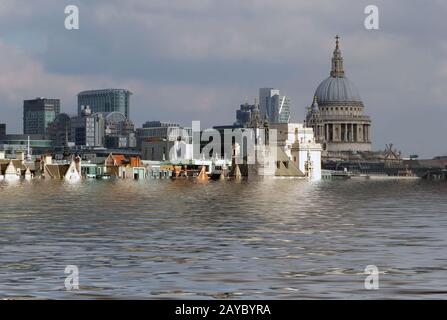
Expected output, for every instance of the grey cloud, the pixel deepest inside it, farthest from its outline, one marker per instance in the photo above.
(198, 59)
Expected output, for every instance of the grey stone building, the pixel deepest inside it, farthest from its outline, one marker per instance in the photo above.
(336, 114)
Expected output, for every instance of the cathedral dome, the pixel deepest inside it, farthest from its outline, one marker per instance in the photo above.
(337, 89)
(336, 114)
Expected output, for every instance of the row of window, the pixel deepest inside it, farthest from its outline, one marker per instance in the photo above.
(342, 109)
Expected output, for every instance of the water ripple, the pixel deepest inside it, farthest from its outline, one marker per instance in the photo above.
(271, 239)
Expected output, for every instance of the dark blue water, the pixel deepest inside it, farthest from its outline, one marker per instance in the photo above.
(271, 239)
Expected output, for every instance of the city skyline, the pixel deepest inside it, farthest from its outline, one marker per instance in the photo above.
(182, 68)
(223, 156)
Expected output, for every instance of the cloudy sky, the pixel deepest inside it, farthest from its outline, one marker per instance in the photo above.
(200, 59)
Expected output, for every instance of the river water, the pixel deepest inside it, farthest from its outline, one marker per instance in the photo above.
(269, 239)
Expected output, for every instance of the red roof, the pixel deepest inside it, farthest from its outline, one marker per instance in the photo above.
(118, 159)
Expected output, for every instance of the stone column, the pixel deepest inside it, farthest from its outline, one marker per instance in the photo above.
(359, 128)
(347, 132)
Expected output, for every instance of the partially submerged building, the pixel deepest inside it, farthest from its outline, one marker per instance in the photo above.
(13, 169)
(296, 144)
(61, 171)
(118, 166)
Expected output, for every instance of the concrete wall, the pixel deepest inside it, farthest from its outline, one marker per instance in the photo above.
(172, 150)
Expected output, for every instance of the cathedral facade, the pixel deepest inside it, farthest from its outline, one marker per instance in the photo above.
(337, 112)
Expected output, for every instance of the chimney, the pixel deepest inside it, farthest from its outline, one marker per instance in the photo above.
(48, 159)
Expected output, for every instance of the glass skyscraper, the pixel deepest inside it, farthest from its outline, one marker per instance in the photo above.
(107, 100)
(283, 107)
(38, 113)
(274, 106)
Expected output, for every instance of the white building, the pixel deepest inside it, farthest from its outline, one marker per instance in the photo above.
(298, 143)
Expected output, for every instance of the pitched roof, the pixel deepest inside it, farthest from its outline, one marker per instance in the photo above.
(286, 167)
(18, 164)
(115, 159)
(56, 171)
(119, 159)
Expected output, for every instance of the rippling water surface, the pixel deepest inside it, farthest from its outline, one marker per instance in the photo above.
(271, 239)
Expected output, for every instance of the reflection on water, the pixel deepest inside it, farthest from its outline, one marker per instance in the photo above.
(272, 239)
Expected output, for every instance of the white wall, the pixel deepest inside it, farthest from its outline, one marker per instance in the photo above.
(286, 138)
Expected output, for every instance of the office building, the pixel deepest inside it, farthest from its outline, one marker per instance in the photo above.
(119, 131)
(245, 113)
(59, 130)
(35, 144)
(164, 141)
(107, 100)
(273, 106)
(38, 113)
(88, 129)
(157, 130)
